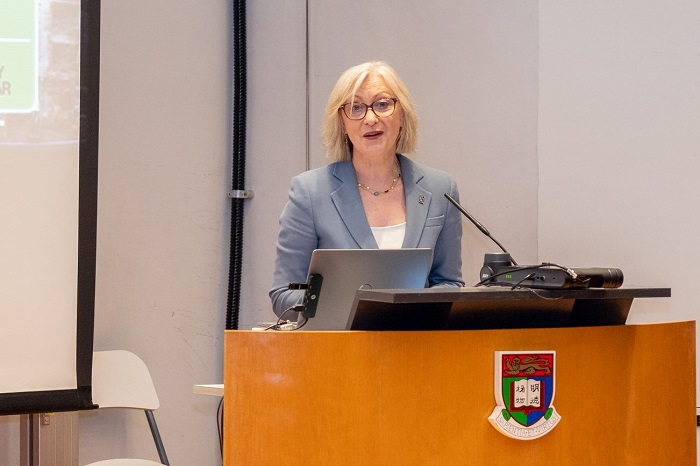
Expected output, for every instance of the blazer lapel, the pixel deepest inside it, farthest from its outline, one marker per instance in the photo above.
(349, 205)
(417, 202)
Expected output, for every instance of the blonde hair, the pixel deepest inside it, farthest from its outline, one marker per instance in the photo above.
(338, 147)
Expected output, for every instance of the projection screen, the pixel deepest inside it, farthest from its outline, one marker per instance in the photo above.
(49, 65)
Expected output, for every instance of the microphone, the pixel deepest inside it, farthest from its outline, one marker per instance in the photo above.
(502, 269)
(479, 226)
(600, 277)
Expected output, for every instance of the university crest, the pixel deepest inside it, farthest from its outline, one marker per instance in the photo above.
(524, 392)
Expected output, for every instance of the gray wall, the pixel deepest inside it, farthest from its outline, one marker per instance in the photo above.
(619, 144)
(543, 111)
(163, 217)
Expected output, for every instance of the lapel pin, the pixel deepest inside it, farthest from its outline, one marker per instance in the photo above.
(421, 199)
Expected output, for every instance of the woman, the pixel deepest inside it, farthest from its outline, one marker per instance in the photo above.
(371, 196)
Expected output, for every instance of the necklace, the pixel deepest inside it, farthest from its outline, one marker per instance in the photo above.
(393, 184)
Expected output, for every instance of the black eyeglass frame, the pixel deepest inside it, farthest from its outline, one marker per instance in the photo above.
(367, 107)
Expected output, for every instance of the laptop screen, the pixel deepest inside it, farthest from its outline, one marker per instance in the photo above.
(344, 271)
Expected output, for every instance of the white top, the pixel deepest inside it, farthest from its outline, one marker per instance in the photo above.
(390, 237)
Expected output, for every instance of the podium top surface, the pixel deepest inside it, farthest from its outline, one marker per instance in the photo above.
(494, 307)
(506, 293)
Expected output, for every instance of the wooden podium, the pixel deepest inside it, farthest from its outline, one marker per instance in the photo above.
(625, 394)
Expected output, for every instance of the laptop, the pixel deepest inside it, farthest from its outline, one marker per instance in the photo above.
(344, 271)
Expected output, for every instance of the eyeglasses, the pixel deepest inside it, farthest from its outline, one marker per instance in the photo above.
(381, 107)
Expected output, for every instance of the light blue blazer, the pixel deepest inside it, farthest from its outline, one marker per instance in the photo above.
(325, 211)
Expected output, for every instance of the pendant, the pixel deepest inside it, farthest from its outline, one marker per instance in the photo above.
(376, 193)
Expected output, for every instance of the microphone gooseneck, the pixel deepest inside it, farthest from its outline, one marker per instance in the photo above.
(478, 225)
(501, 269)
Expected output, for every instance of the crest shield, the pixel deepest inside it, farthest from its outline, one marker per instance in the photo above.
(524, 383)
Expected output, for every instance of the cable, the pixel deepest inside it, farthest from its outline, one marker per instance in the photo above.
(488, 280)
(536, 293)
(301, 325)
(220, 426)
(286, 324)
(527, 277)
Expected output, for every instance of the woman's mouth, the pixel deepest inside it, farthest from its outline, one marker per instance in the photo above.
(372, 134)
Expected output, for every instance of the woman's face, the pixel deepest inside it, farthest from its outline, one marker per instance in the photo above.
(373, 136)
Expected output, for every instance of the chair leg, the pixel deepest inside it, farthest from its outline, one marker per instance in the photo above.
(156, 437)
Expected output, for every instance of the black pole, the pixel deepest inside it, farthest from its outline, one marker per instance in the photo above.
(238, 178)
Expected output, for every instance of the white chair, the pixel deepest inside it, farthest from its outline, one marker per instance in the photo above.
(120, 379)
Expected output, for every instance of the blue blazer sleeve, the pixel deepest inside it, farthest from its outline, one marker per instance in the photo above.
(295, 243)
